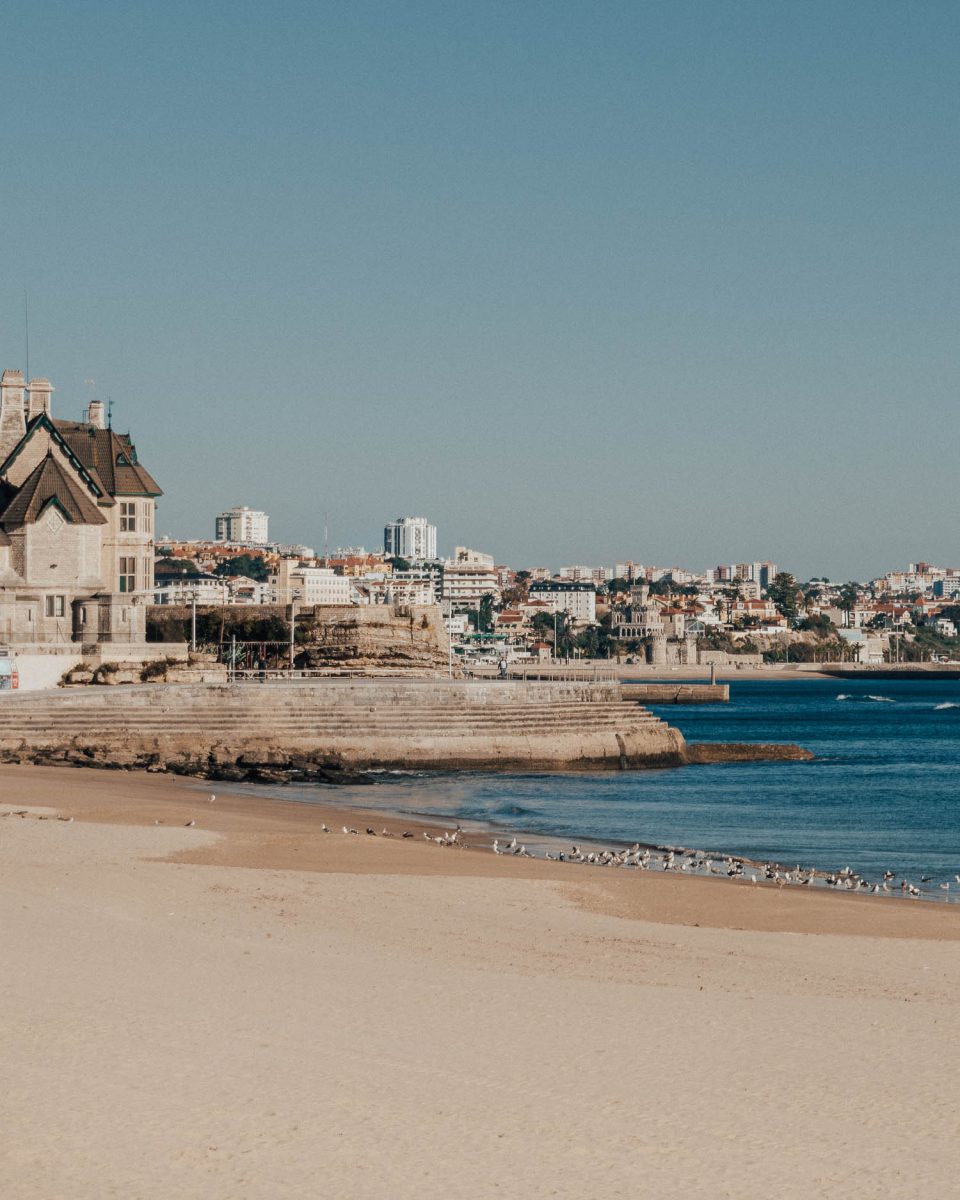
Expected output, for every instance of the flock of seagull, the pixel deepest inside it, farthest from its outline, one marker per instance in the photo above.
(664, 858)
(697, 862)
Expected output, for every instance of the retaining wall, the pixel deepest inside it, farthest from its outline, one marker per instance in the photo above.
(254, 728)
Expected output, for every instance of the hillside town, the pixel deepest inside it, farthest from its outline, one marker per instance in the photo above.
(82, 571)
(745, 613)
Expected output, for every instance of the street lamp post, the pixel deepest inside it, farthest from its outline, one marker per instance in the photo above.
(294, 593)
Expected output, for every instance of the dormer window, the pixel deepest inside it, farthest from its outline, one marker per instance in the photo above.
(122, 460)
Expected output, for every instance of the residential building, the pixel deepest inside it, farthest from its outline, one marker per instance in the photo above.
(577, 599)
(76, 523)
(196, 585)
(309, 586)
(398, 587)
(243, 525)
(467, 577)
(463, 556)
(411, 538)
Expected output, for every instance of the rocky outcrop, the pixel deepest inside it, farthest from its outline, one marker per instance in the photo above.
(737, 752)
(376, 639)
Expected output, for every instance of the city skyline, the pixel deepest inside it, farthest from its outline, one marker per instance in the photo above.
(640, 281)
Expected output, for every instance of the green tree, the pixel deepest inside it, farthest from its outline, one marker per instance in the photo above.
(166, 568)
(848, 597)
(250, 565)
(399, 564)
(485, 613)
(786, 595)
(545, 625)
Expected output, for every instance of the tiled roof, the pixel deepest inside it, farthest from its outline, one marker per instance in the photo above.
(111, 458)
(47, 482)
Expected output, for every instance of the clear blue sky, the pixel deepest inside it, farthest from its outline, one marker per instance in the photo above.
(580, 281)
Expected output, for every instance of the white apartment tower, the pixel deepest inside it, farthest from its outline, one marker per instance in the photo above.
(412, 538)
(244, 525)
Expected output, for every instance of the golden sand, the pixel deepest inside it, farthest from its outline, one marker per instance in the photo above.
(248, 1007)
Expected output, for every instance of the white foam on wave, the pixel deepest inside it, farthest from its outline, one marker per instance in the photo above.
(947, 704)
(883, 699)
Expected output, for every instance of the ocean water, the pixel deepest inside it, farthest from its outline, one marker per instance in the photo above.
(882, 793)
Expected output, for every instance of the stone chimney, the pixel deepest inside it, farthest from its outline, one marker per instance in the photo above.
(13, 423)
(38, 397)
(95, 414)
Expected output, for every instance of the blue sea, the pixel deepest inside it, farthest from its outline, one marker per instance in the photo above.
(882, 793)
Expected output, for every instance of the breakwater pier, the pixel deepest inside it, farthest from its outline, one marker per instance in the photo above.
(322, 729)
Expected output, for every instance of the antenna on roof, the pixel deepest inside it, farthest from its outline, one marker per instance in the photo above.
(26, 330)
(326, 541)
(109, 413)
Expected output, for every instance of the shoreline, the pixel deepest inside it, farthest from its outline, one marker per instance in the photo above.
(245, 1006)
(269, 833)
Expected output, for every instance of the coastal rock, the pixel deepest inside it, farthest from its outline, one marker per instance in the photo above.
(738, 752)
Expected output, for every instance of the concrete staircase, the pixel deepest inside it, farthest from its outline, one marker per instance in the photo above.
(363, 723)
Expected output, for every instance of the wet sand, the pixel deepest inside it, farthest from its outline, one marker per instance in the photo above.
(250, 1008)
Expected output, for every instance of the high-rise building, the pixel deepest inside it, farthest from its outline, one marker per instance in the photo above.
(244, 525)
(411, 538)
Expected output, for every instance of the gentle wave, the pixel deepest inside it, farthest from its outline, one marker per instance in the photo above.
(513, 810)
(880, 699)
(948, 704)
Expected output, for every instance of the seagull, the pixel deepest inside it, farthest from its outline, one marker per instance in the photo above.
(324, 829)
(385, 833)
(189, 824)
(211, 798)
(64, 818)
(406, 834)
(371, 832)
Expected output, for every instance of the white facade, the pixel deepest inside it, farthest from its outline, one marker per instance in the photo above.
(208, 589)
(463, 556)
(412, 538)
(402, 587)
(320, 585)
(577, 600)
(243, 525)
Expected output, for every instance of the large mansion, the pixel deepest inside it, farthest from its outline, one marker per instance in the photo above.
(76, 524)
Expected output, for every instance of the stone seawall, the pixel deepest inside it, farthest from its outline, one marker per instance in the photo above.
(677, 693)
(328, 728)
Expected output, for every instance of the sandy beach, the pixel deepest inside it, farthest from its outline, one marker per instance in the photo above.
(251, 1008)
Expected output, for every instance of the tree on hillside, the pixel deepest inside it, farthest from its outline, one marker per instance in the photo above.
(818, 623)
(167, 567)
(544, 625)
(786, 595)
(848, 597)
(485, 613)
(399, 564)
(250, 565)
